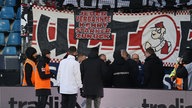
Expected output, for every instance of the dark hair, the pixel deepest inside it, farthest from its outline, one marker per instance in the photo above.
(150, 50)
(30, 51)
(101, 55)
(45, 51)
(72, 49)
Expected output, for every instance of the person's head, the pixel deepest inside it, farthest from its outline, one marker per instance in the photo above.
(81, 57)
(149, 51)
(135, 57)
(46, 53)
(125, 54)
(103, 57)
(31, 53)
(72, 51)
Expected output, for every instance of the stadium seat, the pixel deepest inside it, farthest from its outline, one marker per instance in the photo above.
(10, 2)
(16, 26)
(18, 14)
(9, 50)
(14, 39)
(2, 39)
(7, 13)
(4, 26)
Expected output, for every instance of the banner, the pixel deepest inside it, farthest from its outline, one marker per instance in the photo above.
(24, 97)
(93, 24)
(168, 33)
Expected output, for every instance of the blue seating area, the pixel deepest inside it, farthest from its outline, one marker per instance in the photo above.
(14, 39)
(1, 2)
(16, 27)
(18, 14)
(9, 50)
(2, 39)
(10, 3)
(7, 12)
(10, 27)
(4, 25)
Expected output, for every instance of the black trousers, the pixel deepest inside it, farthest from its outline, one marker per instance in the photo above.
(68, 100)
(42, 100)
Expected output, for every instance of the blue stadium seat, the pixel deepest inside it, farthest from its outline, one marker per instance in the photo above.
(9, 50)
(2, 39)
(10, 2)
(7, 13)
(4, 26)
(18, 14)
(14, 39)
(16, 26)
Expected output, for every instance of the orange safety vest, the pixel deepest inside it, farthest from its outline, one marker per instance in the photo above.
(32, 63)
(42, 83)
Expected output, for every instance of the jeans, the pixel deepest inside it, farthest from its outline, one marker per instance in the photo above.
(97, 102)
(68, 100)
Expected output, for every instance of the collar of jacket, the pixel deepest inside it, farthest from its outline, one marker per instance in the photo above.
(71, 57)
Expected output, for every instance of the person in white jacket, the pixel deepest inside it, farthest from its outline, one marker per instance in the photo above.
(69, 79)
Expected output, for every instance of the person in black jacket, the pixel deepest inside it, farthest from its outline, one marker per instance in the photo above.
(42, 79)
(92, 70)
(184, 69)
(122, 74)
(153, 70)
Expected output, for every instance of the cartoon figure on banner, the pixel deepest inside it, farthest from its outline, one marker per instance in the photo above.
(158, 42)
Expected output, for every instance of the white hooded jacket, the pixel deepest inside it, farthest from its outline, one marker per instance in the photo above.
(69, 76)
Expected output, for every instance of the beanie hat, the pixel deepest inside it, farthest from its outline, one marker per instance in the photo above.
(187, 55)
(30, 51)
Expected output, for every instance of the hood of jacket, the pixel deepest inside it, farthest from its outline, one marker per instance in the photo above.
(29, 53)
(93, 53)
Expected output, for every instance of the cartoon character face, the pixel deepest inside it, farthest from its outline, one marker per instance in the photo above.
(158, 33)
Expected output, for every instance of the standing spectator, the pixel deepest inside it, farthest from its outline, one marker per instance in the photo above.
(153, 70)
(185, 69)
(69, 79)
(42, 79)
(140, 76)
(122, 74)
(106, 76)
(92, 70)
(133, 67)
(29, 67)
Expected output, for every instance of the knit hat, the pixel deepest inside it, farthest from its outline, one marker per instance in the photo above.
(187, 55)
(30, 51)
